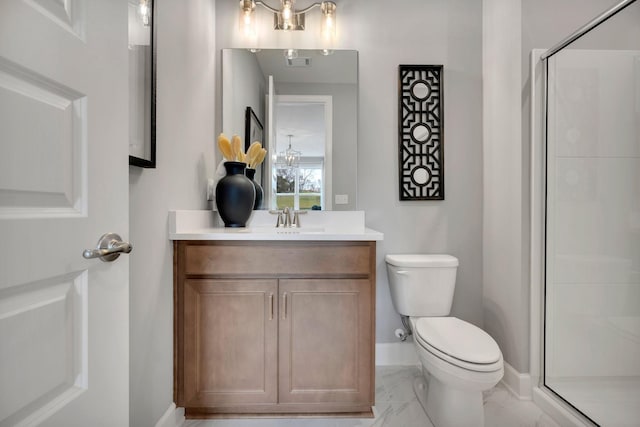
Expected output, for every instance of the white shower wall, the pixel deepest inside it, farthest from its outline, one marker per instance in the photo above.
(593, 215)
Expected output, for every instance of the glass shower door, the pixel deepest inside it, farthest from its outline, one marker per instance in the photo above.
(592, 289)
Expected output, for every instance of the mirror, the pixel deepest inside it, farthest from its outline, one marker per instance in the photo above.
(307, 102)
(142, 105)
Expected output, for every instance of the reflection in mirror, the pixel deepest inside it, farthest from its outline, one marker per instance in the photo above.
(142, 144)
(308, 105)
(305, 123)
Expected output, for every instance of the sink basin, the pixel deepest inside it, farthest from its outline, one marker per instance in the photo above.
(286, 230)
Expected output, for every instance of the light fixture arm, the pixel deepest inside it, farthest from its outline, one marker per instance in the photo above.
(314, 5)
(266, 6)
(274, 10)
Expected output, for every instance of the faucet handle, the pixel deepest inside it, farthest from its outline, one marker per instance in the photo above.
(280, 220)
(296, 218)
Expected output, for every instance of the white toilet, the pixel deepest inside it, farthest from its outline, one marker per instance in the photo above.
(461, 359)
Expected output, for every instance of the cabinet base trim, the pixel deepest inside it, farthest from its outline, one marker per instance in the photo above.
(191, 415)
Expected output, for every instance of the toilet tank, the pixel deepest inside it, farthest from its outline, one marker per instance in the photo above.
(422, 285)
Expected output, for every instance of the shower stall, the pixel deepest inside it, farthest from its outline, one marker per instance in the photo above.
(590, 220)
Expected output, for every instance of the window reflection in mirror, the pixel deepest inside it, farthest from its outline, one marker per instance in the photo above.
(300, 188)
(327, 146)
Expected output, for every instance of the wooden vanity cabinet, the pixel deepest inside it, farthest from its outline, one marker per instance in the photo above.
(274, 327)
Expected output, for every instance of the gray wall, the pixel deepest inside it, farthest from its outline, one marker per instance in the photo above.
(247, 88)
(345, 134)
(504, 290)
(434, 32)
(445, 32)
(185, 155)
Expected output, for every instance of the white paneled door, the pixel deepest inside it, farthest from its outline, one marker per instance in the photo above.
(63, 183)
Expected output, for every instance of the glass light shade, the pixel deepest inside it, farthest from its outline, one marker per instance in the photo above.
(145, 12)
(291, 53)
(248, 24)
(328, 20)
(287, 14)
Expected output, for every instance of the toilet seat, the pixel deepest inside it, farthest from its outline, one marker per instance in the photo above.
(458, 343)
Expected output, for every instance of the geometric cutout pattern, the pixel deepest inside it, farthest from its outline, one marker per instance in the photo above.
(420, 127)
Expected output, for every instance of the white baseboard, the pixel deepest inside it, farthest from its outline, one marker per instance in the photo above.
(518, 384)
(173, 417)
(396, 354)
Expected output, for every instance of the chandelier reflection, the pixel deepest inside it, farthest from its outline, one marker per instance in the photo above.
(289, 158)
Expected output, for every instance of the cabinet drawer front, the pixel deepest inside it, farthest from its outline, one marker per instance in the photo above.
(282, 259)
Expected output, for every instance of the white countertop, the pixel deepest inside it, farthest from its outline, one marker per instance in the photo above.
(315, 226)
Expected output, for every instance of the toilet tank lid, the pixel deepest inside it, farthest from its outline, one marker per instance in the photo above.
(421, 260)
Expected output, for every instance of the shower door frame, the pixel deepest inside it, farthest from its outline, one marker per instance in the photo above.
(549, 401)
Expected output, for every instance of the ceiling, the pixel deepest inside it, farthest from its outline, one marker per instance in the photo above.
(305, 122)
(339, 67)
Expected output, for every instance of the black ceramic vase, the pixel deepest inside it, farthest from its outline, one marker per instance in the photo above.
(251, 173)
(235, 195)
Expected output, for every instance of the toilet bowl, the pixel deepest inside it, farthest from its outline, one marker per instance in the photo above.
(461, 360)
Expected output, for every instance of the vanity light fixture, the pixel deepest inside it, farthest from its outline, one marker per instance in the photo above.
(289, 158)
(287, 18)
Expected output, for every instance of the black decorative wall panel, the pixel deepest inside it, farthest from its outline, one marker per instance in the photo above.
(420, 126)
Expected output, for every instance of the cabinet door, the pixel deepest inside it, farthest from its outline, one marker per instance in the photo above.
(230, 342)
(326, 342)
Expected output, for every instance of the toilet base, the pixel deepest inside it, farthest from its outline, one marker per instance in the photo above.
(450, 407)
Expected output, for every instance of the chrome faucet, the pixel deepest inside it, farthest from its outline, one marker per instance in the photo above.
(285, 219)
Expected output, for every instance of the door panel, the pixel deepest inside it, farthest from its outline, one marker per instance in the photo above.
(63, 183)
(230, 342)
(40, 119)
(54, 311)
(325, 341)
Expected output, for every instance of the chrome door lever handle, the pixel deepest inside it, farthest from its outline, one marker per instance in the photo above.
(109, 248)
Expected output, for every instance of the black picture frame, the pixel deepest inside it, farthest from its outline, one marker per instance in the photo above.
(421, 132)
(254, 131)
(148, 159)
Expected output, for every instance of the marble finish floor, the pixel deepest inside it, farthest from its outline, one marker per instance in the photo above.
(397, 406)
(611, 402)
